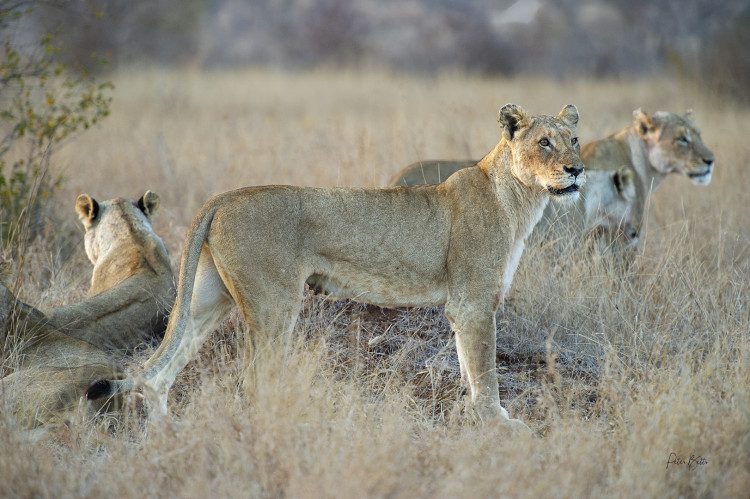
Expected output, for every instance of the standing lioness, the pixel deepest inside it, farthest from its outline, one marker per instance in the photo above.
(456, 244)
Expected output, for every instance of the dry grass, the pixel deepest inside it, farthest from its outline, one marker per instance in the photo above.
(613, 368)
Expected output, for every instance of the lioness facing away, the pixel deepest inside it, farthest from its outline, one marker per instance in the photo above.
(621, 169)
(455, 244)
(132, 287)
(60, 353)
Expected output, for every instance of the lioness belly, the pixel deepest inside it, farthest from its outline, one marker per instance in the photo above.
(384, 291)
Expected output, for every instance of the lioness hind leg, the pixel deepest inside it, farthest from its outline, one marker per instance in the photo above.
(269, 305)
(209, 304)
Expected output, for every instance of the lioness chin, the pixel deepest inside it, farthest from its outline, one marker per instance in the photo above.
(456, 244)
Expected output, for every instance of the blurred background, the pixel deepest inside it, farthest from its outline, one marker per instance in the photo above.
(700, 41)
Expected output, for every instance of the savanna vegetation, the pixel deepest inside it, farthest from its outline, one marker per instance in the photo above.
(635, 379)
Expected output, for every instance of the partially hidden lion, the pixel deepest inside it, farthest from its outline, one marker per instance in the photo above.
(132, 287)
(455, 244)
(622, 169)
(60, 353)
(651, 147)
(607, 214)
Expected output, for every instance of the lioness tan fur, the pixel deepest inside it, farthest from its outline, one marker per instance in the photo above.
(430, 172)
(455, 244)
(607, 210)
(652, 147)
(61, 353)
(132, 287)
(53, 369)
(632, 162)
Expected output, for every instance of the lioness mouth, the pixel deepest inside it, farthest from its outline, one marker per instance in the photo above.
(699, 175)
(559, 192)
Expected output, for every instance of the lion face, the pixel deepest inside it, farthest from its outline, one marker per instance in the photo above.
(675, 145)
(545, 150)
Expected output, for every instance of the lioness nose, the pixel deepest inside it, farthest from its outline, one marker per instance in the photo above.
(708, 161)
(573, 170)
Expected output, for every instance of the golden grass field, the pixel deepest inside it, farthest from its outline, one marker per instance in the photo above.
(614, 370)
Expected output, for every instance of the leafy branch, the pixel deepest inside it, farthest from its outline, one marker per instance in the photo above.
(43, 104)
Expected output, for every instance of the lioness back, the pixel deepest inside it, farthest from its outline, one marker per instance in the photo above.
(429, 172)
(377, 246)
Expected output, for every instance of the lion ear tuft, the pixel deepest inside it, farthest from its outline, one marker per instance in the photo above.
(622, 179)
(569, 115)
(149, 203)
(512, 118)
(87, 208)
(644, 123)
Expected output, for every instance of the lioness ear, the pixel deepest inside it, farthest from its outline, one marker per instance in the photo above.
(644, 123)
(149, 203)
(87, 208)
(512, 118)
(689, 114)
(569, 115)
(622, 179)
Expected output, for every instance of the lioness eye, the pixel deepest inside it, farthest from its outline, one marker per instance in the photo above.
(574, 141)
(683, 140)
(544, 142)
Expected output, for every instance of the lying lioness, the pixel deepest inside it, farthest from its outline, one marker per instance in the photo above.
(59, 354)
(53, 369)
(456, 244)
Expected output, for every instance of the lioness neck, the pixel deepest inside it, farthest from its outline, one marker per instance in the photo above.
(637, 151)
(123, 262)
(530, 200)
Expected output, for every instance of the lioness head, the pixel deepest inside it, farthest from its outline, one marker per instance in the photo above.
(111, 222)
(674, 145)
(545, 149)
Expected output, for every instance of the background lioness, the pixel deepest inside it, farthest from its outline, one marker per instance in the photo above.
(606, 208)
(59, 354)
(455, 244)
(633, 162)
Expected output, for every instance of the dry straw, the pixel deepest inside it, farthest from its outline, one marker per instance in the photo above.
(619, 369)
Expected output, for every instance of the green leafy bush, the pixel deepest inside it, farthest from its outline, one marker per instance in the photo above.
(43, 103)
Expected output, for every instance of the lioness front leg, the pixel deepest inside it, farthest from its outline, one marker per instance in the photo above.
(475, 342)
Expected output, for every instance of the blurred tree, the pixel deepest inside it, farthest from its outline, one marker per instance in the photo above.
(727, 64)
(316, 32)
(125, 31)
(595, 38)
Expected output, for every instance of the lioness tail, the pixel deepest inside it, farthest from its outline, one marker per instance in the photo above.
(107, 388)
